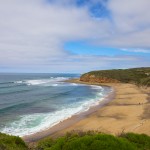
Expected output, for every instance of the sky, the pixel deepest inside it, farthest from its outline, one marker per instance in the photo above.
(73, 36)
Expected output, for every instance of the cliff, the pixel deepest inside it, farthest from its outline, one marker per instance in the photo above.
(139, 76)
(94, 79)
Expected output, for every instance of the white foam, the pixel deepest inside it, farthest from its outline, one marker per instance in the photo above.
(54, 84)
(36, 82)
(29, 124)
(96, 87)
(74, 84)
(44, 82)
(22, 126)
(18, 82)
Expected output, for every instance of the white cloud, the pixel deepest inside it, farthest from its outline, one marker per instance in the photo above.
(33, 33)
(31, 29)
(136, 50)
(130, 23)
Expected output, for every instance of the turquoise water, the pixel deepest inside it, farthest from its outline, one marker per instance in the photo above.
(33, 102)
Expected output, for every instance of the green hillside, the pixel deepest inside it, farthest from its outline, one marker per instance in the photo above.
(96, 141)
(139, 76)
(80, 141)
(8, 142)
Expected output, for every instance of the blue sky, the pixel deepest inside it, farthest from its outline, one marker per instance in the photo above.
(73, 36)
(82, 48)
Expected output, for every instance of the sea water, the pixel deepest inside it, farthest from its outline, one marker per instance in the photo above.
(30, 103)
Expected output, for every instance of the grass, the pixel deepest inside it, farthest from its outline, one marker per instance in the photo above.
(81, 141)
(8, 142)
(96, 141)
(142, 141)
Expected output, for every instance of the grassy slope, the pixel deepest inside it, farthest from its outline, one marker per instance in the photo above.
(11, 143)
(140, 76)
(81, 141)
(96, 141)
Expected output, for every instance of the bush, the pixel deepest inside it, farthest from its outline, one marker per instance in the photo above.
(97, 141)
(8, 142)
(81, 141)
(142, 141)
(145, 81)
(45, 143)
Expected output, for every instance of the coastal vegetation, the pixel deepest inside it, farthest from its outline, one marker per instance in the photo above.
(139, 76)
(81, 141)
(8, 142)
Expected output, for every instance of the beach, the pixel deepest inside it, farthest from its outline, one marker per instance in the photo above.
(125, 110)
(62, 125)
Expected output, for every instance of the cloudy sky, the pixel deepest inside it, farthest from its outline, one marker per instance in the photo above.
(73, 35)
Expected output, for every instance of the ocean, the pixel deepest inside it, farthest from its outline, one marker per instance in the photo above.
(30, 103)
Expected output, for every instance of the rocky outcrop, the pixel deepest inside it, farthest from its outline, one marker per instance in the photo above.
(94, 79)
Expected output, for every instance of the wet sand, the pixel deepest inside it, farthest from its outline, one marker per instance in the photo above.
(129, 111)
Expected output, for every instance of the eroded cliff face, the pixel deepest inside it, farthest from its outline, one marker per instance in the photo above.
(94, 79)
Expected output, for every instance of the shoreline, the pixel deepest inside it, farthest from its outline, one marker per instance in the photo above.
(125, 110)
(69, 121)
(129, 111)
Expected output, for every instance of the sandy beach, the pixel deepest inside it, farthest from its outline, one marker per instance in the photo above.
(125, 110)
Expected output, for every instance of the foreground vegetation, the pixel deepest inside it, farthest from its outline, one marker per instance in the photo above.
(11, 143)
(81, 141)
(139, 76)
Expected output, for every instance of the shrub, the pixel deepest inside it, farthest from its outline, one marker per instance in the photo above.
(81, 141)
(142, 141)
(45, 143)
(90, 141)
(8, 142)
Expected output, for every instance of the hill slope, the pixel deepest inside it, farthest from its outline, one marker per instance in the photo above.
(139, 76)
(8, 142)
(96, 141)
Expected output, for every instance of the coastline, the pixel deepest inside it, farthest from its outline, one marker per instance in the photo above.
(125, 110)
(129, 111)
(70, 121)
